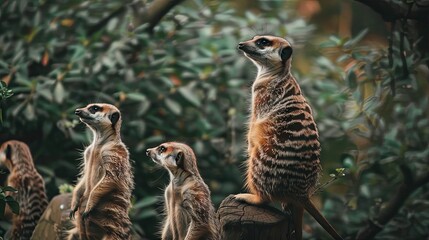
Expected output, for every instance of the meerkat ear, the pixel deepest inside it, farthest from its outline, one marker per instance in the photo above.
(114, 118)
(179, 159)
(285, 53)
(8, 152)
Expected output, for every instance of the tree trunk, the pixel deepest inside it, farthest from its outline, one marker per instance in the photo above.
(241, 221)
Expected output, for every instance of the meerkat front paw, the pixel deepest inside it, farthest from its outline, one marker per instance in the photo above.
(85, 215)
(73, 211)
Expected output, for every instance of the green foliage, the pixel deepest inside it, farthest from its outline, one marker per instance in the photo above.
(65, 188)
(8, 200)
(186, 82)
(389, 125)
(4, 94)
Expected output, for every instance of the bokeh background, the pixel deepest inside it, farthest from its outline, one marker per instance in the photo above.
(178, 76)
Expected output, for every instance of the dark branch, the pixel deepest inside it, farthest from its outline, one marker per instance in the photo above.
(396, 202)
(392, 10)
(153, 13)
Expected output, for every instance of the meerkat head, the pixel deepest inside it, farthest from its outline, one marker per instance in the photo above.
(267, 51)
(14, 153)
(174, 156)
(100, 116)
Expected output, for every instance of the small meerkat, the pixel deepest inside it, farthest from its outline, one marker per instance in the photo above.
(101, 199)
(189, 211)
(283, 141)
(31, 195)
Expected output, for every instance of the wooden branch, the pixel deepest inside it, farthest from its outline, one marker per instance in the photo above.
(239, 220)
(142, 14)
(153, 13)
(396, 202)
(392, 10)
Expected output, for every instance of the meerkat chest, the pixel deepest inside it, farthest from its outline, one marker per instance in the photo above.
(262, 100)
(174, 199)
(93, 167)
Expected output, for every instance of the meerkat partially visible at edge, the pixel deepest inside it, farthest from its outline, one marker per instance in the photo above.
(31, 195)
(101, 199)
(283, 141)
(189, 211)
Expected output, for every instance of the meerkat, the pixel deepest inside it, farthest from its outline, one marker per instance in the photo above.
(101, 198)
(283, 142)
(189, 211)
(31, 195)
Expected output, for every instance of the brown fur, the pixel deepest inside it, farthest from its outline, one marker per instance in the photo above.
(189, 211)
(31, 194)
(101, 199)
(283, 141)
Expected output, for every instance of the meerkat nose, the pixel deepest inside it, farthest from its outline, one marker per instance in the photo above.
(77, 111)
(240, 45)
(147, 152)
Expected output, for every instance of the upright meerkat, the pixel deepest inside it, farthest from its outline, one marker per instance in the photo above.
(189, 211)
(31, 194)
(283, 141)
(101, 199)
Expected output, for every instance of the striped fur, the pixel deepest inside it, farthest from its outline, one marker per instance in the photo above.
(31, 194)
(283, 141)
(189, 211)
(101, 199)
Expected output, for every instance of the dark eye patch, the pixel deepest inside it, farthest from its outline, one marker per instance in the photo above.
(263, 42)
(9, 152)
(94, 108)
(161, 149)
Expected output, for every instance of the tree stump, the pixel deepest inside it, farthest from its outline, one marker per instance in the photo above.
(241, 221)
(54, 222)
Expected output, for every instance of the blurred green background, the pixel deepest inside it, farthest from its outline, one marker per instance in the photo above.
(183, 80)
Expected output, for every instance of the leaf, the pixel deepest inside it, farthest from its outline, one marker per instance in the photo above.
(356, 39)
(111, 26)
(137, 97)
(59, 92)
(351, 79)
(14, 205)
(146, 202)
(67, 22)
(2, 208)
(9, 189)
(190, 95)
(173, 106)
(30, 113)
(45, 58)
(147, 213)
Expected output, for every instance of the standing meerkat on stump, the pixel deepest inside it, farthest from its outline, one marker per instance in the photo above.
(31, 194)
(189, 211)
(283, 141)
(101, 199)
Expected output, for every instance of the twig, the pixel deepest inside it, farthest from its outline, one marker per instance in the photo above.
(396, 202)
